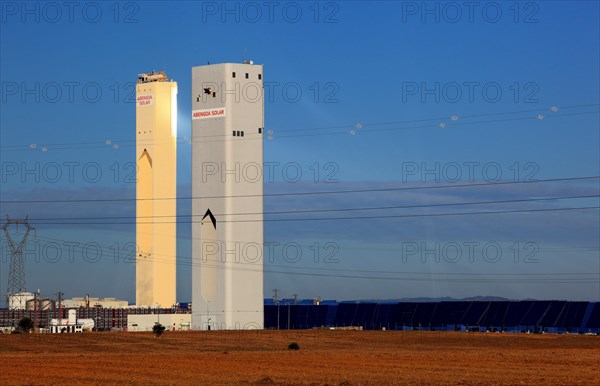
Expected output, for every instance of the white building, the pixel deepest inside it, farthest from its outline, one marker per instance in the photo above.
(227, 181)
(171, 322)
(70, 325)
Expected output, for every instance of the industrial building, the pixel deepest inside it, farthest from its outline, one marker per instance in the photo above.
(94, 302)
(227, 181)
(71, 324)
(145, 322)
(19, 300)
(105, 319)
(40, 304)
(156, 190)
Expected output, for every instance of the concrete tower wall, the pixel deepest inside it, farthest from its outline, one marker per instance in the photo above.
(156, 161)
(227, 180)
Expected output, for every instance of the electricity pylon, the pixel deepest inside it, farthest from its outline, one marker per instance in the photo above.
(16, 272)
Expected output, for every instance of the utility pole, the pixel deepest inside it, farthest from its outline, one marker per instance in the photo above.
(207, 317)
(36, 297)
(288, 324)
(60, 295)
(276, 302)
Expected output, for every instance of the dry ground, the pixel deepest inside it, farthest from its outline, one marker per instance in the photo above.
(325, 357)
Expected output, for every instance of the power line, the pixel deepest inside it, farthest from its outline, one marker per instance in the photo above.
(535, 277)
(408, 188)
(320, 242)
(334, 218)
(225, 137)
(324, 210)
(553, 109)
(116, 254)
(446, 125)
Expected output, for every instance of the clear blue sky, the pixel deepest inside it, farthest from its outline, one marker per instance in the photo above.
(520, 79)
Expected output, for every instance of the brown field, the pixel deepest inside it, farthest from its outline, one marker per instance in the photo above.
(325, 357)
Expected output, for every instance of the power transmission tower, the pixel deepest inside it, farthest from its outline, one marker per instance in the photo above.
(16, 272)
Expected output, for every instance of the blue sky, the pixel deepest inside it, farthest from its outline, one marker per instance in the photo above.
(408, 87)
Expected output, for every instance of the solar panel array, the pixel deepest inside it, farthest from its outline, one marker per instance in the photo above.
(527, 315)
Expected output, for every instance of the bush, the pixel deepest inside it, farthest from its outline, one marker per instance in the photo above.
(26, 324)
(158, 329)
(293, 346)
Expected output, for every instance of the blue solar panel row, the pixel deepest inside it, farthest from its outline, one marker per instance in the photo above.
(492, 315)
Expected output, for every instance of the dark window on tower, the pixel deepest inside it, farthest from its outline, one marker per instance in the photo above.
(238, 133)
(259, 76)
(234, 133)
(233, 74)
(260, 130)
(246, 75)
(242, 133)
(214, 94)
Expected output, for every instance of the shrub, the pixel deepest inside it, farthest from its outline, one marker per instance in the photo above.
(26, 324)
(293, 346)
(158, 329)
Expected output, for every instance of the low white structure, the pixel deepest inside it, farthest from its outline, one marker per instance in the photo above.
(71, 324)
(172, 322)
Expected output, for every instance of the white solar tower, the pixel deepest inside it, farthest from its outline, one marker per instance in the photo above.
(227, 180)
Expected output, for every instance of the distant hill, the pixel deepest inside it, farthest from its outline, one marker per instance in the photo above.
(433, 300)
(404, 300)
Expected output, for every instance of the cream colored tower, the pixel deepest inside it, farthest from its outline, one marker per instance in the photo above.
(156, 190)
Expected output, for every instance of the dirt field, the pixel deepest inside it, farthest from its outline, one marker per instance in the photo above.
(325, 357)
